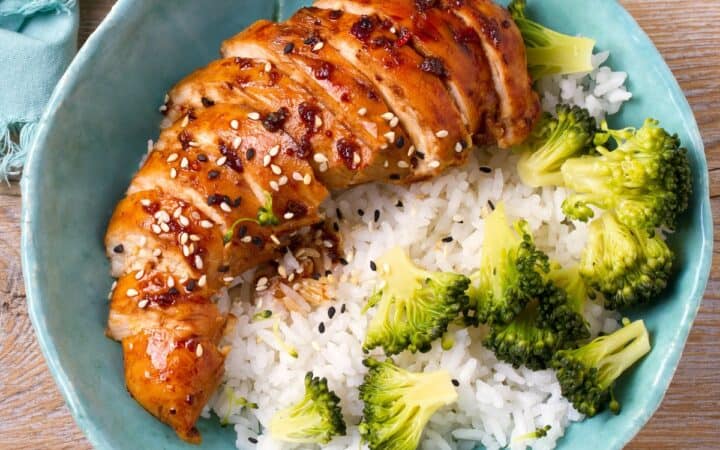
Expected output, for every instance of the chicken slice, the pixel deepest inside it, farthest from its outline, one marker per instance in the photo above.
(337, 85)
(450, 50)
(505, 50)
(419, 99)
(314, 128)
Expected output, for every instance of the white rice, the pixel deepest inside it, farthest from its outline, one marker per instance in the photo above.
(496, 402)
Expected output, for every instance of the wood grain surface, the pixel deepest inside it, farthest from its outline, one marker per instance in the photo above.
(34, 416)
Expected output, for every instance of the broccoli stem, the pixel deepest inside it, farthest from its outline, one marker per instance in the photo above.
(623, 356)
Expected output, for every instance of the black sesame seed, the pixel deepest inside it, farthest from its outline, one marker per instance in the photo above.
(455, 382)
(376, 216)
(242, 231)
(491, 205)
(400, 142)
(360, 212)
(331, 312)
(212, 199)
(237, 202)
(342, 309)
(119, 248)
(485, 169)
(338, 213)
(258, 241)
(252, 440)
(343, 261)
(207, 102)
(373, 266)
(394, 176)
(336, 227)
(213, 174)
(328, 273)
(190, 286)
(250, 154)
(289, 48)
(316, 276)
(173, 291)
(420, 155)
(448, 239)
(202, 157)
(399, 204)
(224, 268)
(321, 327)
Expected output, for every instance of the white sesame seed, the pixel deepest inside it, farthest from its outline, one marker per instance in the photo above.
(155, 228)
(191, 248)
(157, 252)
(221, 160)
(266, 160)
(186, 250)
(319, 158)
(274, 185)
(458, 147)
(403, 164)
(177, 212)
(328, 244)
(442, 134)
(318, 122)
(143, 241)
(282, 271)
(139, 274)
(184, 221)
(228, 279)
(356, 158)
(246, 239)
(185, 121)
(388, 116)
(386, 164)
(173, 173)
(199, 350)
(275, 239)
(170, 281)
(384, 147)
(234, 124)
(145, 202)
(323, 167)
(390, 136)
(394, 122)
(193, 144)
(434, 164)
(282, 181)
(254, 116)
(194, 237)
(113, 285)
(183, 238)
(131, 293)
(273, 152)
(198, 262)
(393, 30)
(184, 163)
(307, 179)
(172, 157)
(297, 176)
(237, 142)
(261, 288)
(206, 224)
(362, 111)
(225, 207)
(164, 226)
(262, 281)
(275, 169)
(142, 304)
(411, 150)
(318, 46)
(288, 216)
(268, 67)
(202, 281)
(162, 108)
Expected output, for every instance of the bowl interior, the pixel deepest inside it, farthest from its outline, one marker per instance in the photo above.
(96, 130)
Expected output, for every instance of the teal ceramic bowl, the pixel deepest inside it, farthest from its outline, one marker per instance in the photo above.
(95, 131)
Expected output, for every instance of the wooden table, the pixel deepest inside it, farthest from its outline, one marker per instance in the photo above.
(34, 416)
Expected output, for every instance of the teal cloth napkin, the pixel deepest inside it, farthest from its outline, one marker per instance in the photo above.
(38, 39)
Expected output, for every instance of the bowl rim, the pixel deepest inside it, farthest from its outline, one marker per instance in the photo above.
(93, 45)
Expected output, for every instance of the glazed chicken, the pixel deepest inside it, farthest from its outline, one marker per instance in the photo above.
(343, 93)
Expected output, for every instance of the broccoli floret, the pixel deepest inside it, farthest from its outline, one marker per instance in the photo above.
(563, 312)
(398, 404)
(628, 266)
(587, 374)
(553, 141)
(315, 419)
(415, 306)
(527, 340)
(550, 52)
(646, 180)
(511, 271)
